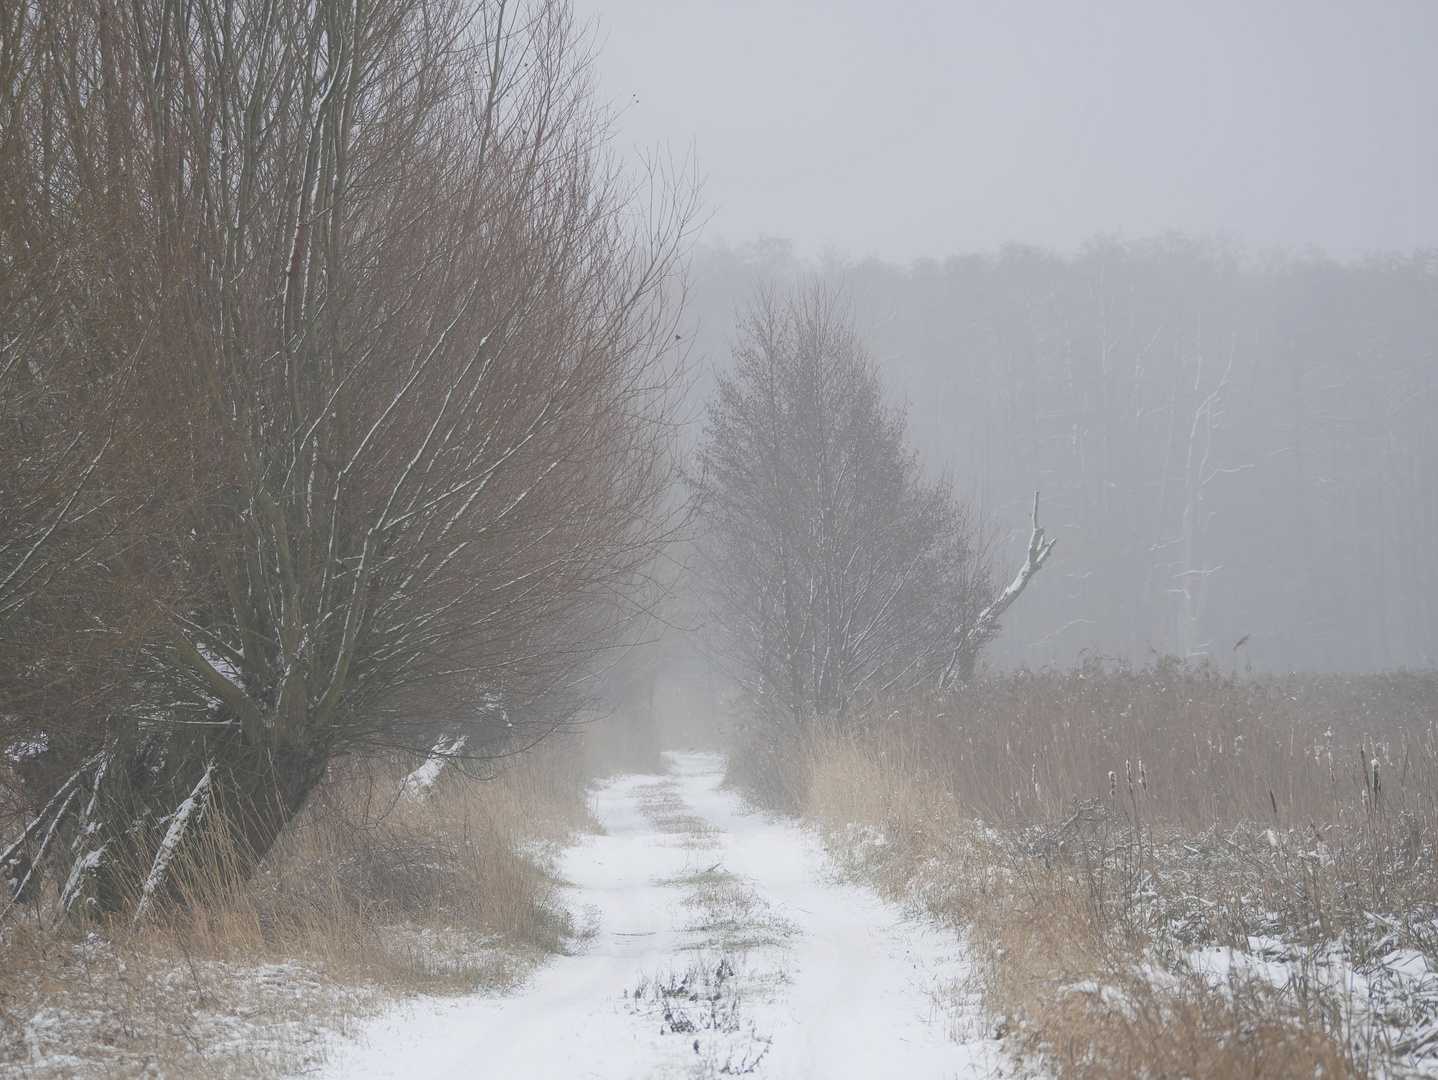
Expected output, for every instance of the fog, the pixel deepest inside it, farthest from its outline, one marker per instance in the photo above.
(1228, 449)
(1162, 262)
(931, 128)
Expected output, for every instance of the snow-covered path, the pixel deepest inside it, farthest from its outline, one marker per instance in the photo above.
(722, 946)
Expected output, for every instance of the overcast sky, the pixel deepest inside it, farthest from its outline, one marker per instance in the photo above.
(927, 128)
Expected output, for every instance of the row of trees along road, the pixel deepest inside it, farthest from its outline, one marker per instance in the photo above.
(831, 562)
(334, 407)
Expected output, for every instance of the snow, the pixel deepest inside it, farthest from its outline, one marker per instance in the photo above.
(718, 943)
(418, 784)
(1388, 1005)
(191, 808)
(233, 1017)
(85, 864)
(21, 749)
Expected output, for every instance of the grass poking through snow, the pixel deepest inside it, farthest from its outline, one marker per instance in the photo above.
(704, 1003)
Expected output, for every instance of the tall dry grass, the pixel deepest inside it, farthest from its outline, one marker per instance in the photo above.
(371, 893)
(1164, 871)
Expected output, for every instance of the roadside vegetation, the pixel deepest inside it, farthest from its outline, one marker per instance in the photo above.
(382, 887)
(338, 372)
(370, 450)
(1161, 871)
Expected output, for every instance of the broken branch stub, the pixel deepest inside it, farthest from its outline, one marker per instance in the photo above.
(986, 624)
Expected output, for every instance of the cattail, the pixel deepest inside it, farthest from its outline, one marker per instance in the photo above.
(1112, 785)
(1034, 776)
(1375, 780)
(1142, 780)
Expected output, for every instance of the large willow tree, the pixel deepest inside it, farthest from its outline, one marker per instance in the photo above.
(355, 356)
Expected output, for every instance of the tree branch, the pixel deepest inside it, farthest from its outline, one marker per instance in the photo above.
(988, 620)
(251, 722)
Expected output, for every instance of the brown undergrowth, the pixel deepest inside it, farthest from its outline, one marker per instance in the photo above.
(1162, 872)
(374, 891)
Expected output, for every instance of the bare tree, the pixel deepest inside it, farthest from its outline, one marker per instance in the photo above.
(419, 368)
(831, 562)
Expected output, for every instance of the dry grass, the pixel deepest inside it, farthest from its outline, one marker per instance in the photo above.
(370, 894)
(1162, 872)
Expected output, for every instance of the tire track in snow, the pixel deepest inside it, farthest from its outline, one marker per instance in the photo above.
(693, 895)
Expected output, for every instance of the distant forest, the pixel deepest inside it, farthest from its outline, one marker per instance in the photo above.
(1228, 448)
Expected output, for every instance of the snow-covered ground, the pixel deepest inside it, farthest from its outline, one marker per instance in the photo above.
(718, 943)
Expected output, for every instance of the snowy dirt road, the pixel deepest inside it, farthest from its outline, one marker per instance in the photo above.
(721, 945)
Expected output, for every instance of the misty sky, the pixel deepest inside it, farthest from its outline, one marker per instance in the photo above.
(926, 128)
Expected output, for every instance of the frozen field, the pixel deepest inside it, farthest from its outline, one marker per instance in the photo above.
(717, 944)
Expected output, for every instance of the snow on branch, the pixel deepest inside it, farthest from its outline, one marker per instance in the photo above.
(417, 785)
(189, 811)
(60, 793)
(988, 619)
(21, 881)
(228, 691)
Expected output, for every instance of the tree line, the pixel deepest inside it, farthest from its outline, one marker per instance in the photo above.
(1231, 448)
